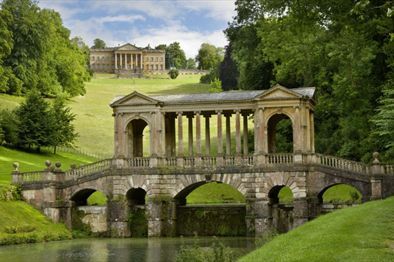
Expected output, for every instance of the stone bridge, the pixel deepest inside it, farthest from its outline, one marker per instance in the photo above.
(158, 178)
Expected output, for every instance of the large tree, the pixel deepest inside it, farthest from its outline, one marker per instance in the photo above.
(341, 47)
(39, 53)
(98, 43)
(228, 71)
(209, 56)
(175, 56)
(34, 122)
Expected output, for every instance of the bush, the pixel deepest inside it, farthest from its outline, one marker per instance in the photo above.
(10, 193)
(173, 73)
(19, 229)
(9, 125)
(216, 86)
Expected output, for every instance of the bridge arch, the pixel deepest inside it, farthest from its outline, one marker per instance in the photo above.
(81, 195)
(272, 122)
(280, 180)
(188, 183)
(134, 129)
(358, 190)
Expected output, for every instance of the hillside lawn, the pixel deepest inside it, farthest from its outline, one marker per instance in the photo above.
(362, 233)
(21, 223)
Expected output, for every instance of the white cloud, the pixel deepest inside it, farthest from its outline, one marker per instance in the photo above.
(118, 18)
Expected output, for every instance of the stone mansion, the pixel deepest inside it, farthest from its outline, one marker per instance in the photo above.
(127, 59)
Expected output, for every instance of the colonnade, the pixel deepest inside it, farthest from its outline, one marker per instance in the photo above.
(128, 60)
(194, 131)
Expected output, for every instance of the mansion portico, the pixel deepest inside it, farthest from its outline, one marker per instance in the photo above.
(127, 59)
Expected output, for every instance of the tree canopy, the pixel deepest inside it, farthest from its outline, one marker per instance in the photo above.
(37, 53)
(344, 48)
(175, 56)
(209, 56)
(98, 43)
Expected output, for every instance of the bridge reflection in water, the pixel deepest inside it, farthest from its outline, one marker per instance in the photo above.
(169, 173)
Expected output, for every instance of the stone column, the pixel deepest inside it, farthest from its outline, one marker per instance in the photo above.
(245, 134)
(257, 217)
(228, 134)
(207, 136)
(300, 211)
(117, 217)
(180, 135)
(219, 135)
(161, 213)
(116, 61)
(312, 132)
(125, 58)
(121, 61)
(198, 133)
(238, 132)
(190, 129)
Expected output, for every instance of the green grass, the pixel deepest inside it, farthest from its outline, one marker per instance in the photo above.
(214, 192)
(362, 233)
(34, 161)
(21, 223)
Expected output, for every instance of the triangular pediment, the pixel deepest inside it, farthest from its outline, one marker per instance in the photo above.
(134, 99)
(127, 47)
(278, 92)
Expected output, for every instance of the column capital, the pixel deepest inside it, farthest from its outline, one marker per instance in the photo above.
(197, 112)
(179, 113)
(237, 110)
(218, 111)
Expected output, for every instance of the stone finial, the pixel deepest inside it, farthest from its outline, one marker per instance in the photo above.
(16, 166)
(58, 165)
(375, 156)
(48, 164)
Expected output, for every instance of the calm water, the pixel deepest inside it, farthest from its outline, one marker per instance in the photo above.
(95, 250)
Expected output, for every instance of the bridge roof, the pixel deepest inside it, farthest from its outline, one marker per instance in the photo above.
(229, 96)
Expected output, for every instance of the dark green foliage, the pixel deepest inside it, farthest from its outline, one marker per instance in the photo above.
(36, 52)
(9, 124)
(209, 56)
(138, 222)
(62, 131)
(228, 71)
(344, 48)
(191, 64)
(210, 77)
(34, 122)
(173, 73)
(98, 43)
(284, 137)
(175, 56)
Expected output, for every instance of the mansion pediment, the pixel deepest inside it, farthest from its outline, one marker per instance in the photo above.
(128, 47)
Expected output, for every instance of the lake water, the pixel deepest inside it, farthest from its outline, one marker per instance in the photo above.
(96, 250)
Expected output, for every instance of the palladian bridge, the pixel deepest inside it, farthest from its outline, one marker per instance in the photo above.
(167, 146)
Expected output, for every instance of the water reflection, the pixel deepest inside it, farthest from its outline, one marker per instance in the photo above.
(114, 250)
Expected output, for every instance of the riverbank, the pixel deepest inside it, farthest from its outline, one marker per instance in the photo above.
(362, 233)
(21, 223)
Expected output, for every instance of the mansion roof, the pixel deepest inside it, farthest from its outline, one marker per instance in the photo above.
(228, 96)
(127, 47)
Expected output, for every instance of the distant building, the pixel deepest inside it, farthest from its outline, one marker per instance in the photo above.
(127, 60)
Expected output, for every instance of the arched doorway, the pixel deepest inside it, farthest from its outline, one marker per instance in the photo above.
(210, 208)
(281, 208)
(280, 134)
(89, 212)
(338, 196)
(136, 215)
(138, 138)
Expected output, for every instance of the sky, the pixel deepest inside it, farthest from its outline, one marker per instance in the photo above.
(143, 22)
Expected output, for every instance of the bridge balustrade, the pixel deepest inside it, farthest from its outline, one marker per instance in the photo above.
(268, 160)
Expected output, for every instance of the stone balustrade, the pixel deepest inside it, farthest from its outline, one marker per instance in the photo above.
(258, 161)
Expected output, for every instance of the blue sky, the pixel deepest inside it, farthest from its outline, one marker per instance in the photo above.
(143, 22)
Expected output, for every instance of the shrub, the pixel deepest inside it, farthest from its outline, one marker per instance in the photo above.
(216, 86)
(10, 193)
(173, 73)
(19, 229)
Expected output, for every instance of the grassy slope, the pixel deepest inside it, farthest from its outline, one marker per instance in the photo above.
(34, 161)
(363, 233)
(17, 215)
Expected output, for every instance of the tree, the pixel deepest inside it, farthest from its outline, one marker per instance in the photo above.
(161, 47)
(39, 54)
(209, 56)
(175, 56)
(98, 43)
(173, 73)
(62, 131)
(191, 64)
(34, 127)
(9, 123)
(228, 71)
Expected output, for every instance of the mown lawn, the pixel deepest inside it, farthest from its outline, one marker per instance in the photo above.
(21, 223)
(34, 161)
(362, 233)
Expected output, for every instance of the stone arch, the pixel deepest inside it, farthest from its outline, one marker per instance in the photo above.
(324, 190)
(134, 130)
(282, 179)
(81, 195)
(271, 123)
(191, 182)
(136, 196)
(273, 194)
